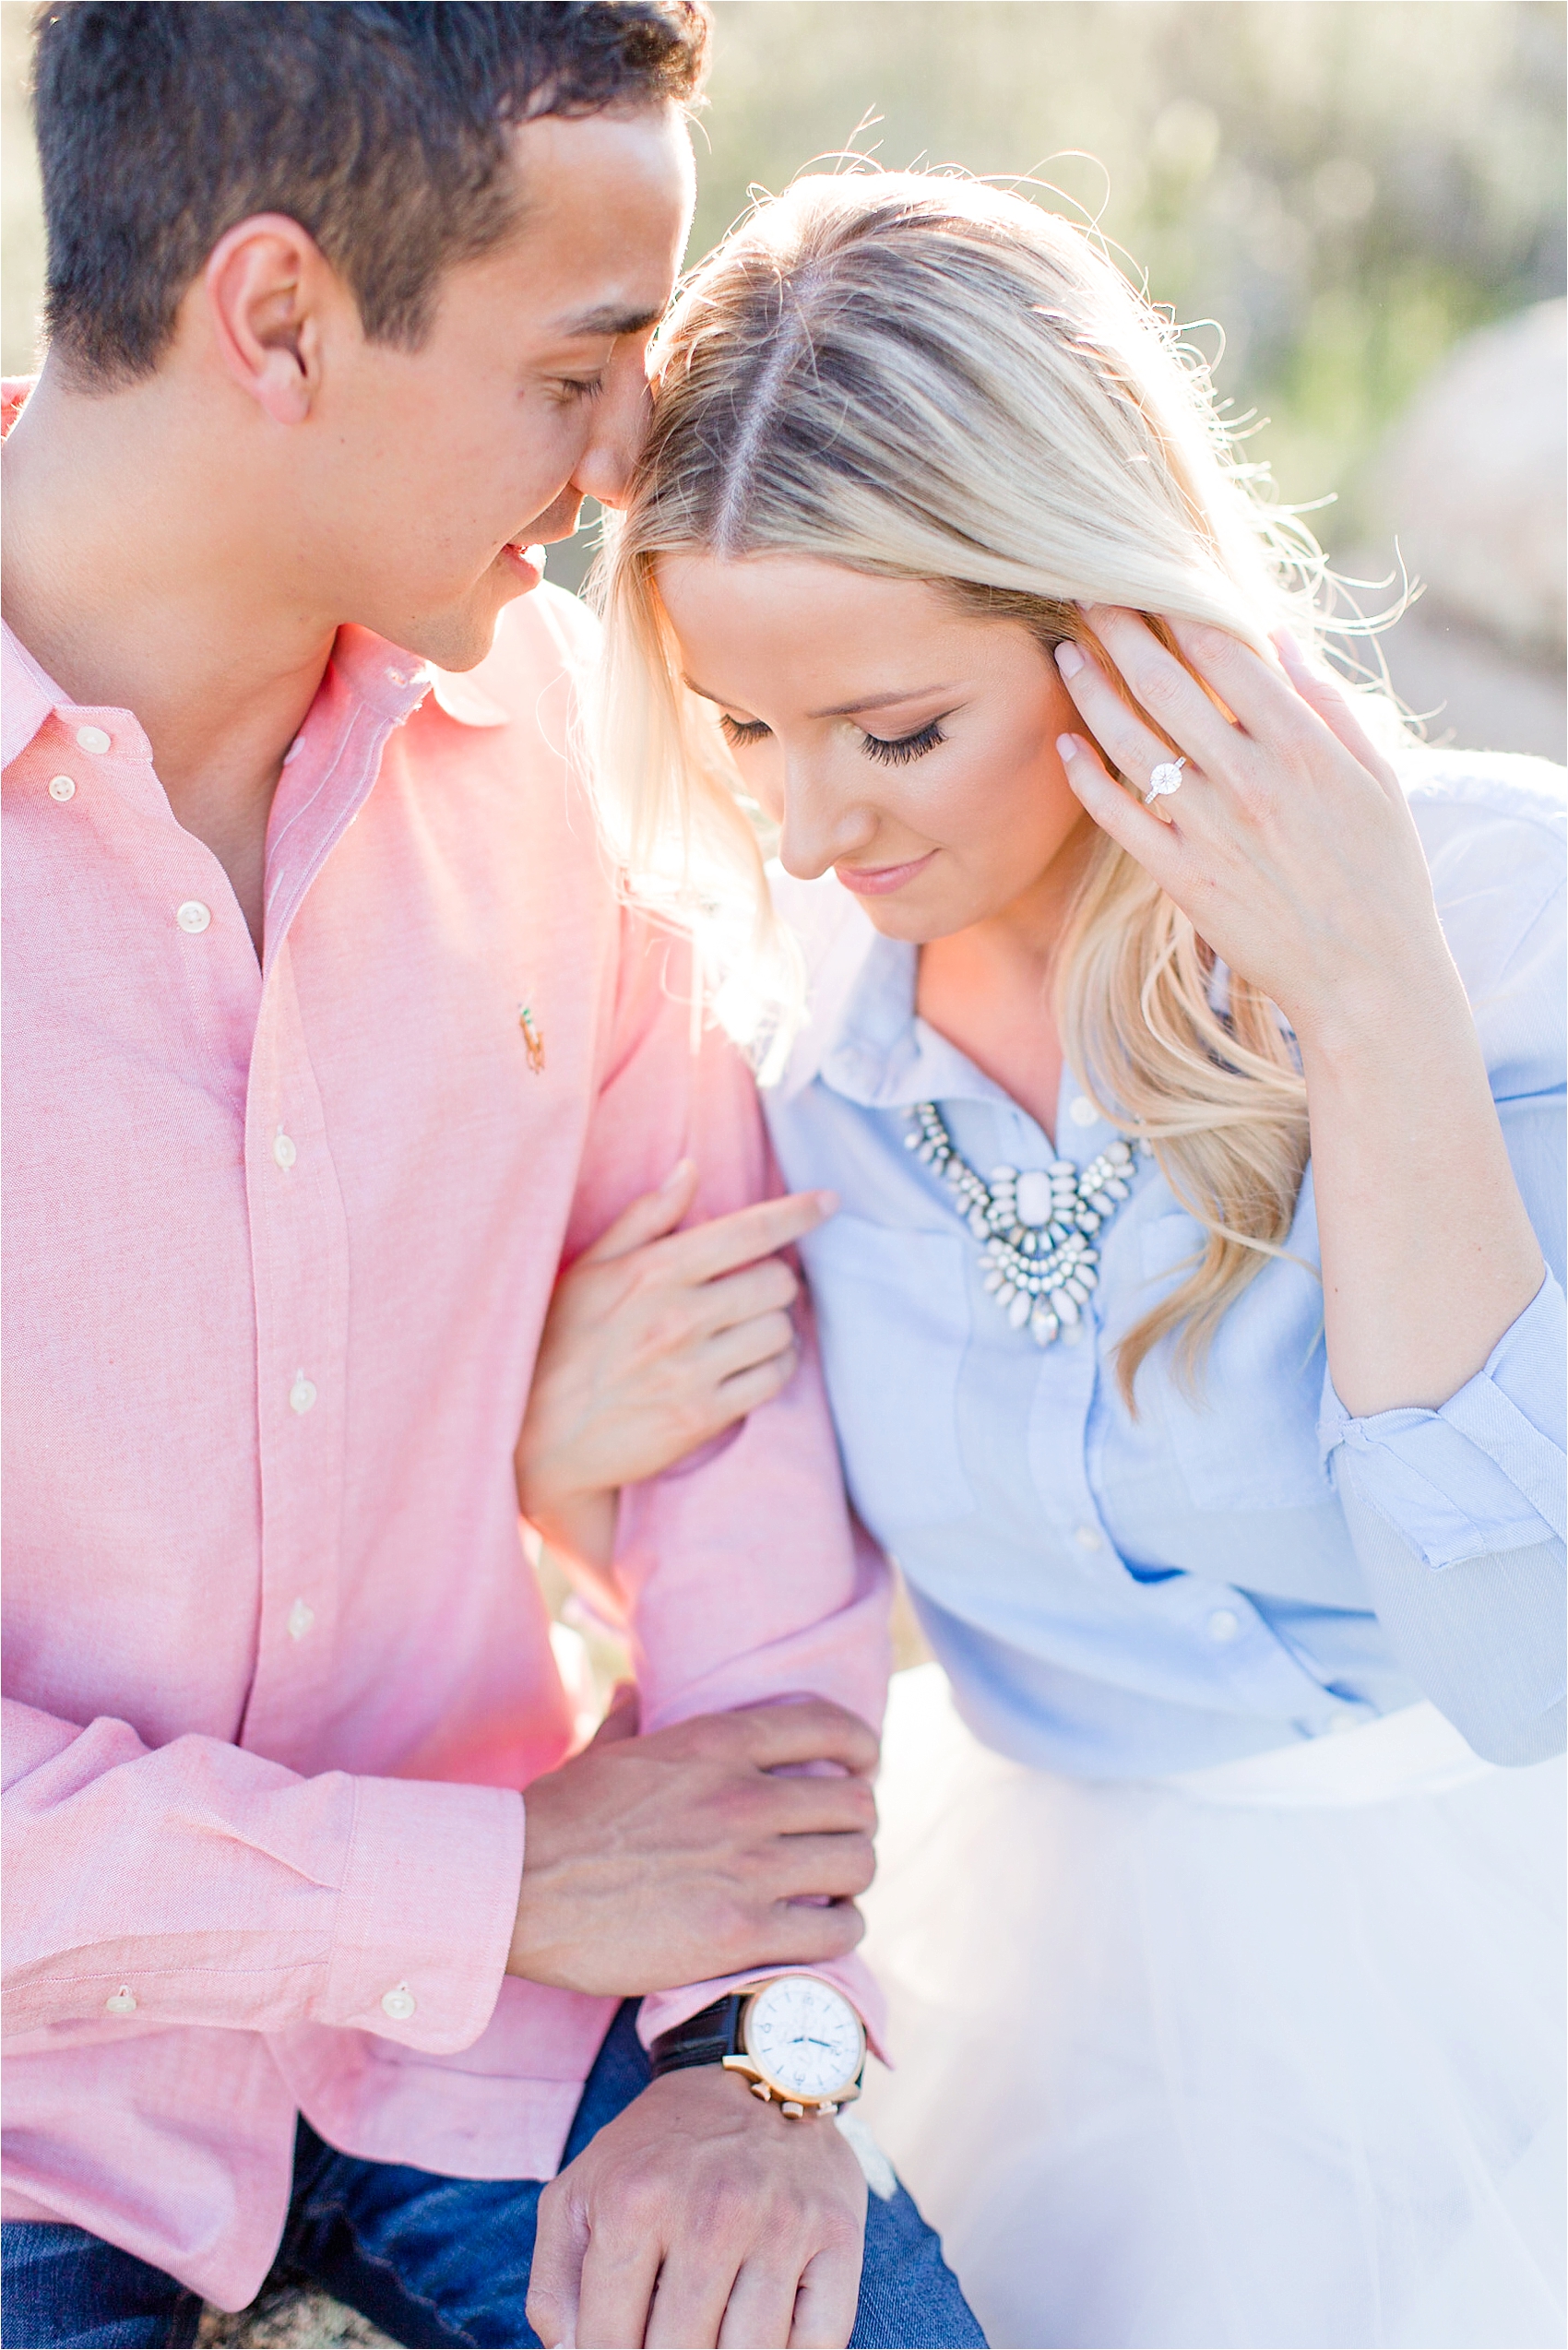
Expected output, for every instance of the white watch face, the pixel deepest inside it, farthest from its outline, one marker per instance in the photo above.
(806, 2037)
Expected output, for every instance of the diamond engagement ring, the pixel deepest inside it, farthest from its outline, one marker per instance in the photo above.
(1166, 778)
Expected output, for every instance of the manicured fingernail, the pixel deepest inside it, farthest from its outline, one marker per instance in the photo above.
(682, 1169)
(827, 1203)
(1069, 660)
(1068, 748)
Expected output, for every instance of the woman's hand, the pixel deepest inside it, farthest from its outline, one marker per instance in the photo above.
(1290, 845)
(655, 1343)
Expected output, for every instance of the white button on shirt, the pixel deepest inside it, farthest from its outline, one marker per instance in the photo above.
(1081, 1111)
(62, 787)
(121, 2003)
(1224, 1625)
(399, 2002)
(1088, 1538)
(283, 1150)
(301, 1619)
(92, 738)
(302, 1395)
(193, 916)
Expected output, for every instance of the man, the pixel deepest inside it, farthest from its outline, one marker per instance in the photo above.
(326, 1040)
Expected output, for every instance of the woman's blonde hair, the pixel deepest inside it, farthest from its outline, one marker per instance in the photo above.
(922, 377)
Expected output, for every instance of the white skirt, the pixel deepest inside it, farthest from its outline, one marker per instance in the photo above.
(1267, 2054)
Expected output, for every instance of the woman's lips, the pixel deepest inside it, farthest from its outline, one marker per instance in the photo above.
(877, 881)
(526, 564)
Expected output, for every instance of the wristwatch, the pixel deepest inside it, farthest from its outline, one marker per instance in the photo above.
(796, 2040)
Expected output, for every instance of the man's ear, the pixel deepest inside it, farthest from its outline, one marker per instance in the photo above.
(270, 291)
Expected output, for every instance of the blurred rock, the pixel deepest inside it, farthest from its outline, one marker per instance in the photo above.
(287, 2315)
(1469, 490)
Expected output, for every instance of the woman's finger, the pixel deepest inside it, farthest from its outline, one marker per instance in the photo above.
(1150, 839)
(1134, 747)
(1260, 699)
(727, 1242)
(746, 1344)
(766, 1287)
(648, 1218)
(1322, 695)
(749, 1389)
(1174, 703)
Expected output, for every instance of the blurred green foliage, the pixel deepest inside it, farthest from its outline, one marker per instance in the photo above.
(1347, 186)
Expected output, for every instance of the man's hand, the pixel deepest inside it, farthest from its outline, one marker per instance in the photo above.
(649, 1862)
(700, 2215)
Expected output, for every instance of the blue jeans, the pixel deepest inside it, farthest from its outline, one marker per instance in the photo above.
(432, 2260)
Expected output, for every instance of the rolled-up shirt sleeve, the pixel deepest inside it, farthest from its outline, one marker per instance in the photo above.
(1485, 1471)
(197, 1883)
(1456, 1519)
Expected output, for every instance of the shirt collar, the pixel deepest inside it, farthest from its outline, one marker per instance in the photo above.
(880, 1053)
(27, 695)
(391, 682)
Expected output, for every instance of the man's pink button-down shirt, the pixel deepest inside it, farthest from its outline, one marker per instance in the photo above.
(279, 1242)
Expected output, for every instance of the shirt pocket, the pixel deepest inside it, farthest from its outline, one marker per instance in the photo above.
(893, 1319)
(1244, 1436)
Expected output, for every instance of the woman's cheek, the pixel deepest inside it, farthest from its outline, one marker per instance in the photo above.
(763, 776)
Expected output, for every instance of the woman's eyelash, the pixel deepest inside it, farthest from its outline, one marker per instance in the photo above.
(738, 733)
(899, 751)
(889, 752)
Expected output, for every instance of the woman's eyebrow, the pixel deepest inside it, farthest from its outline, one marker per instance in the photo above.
(879, 701)
(841, 709)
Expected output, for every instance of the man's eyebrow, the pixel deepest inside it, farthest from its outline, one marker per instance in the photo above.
(609, 320)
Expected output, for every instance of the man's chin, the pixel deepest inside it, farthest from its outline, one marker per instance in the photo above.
(459, 637)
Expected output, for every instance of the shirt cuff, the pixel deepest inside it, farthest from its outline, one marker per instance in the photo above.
(662, 2010)
(1484, 1473)
(425, 1912)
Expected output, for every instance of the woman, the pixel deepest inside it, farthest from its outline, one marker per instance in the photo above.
(1186, 1052)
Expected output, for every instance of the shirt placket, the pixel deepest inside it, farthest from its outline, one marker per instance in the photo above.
(299, 1252)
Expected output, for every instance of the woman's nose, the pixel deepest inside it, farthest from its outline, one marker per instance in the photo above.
(819, 831)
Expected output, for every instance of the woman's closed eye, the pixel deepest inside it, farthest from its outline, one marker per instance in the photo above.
(738, 732)
(897, 751)
(888, 751)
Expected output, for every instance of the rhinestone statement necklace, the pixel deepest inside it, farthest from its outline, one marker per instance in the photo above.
(1039, 1228)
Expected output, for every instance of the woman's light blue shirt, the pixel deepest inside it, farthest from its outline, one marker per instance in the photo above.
(1121, 1596)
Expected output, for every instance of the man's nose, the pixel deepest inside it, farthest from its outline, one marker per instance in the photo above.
(620, 419)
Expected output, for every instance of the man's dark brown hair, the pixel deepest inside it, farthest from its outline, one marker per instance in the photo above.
(380, 128)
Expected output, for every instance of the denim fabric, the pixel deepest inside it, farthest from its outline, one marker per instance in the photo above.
(431, 2261)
